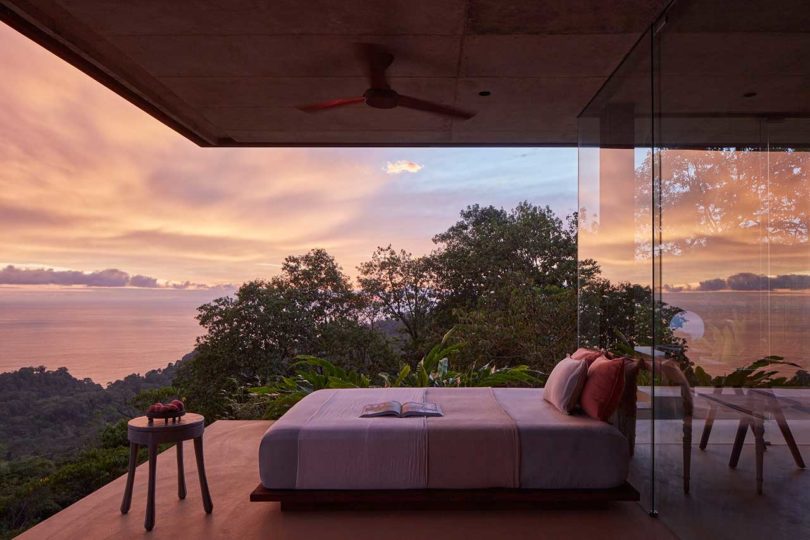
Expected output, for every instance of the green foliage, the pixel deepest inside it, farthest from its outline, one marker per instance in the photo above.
(310, 308)
(399, 287)
(35, 488)
(520, 323)
(754, 375)
(621, 316)
(310, 374)
(488, 244)
(53, 414)
(63, 439)
(434, 370)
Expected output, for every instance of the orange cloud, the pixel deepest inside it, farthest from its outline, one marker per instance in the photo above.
(401, 166)
(88, 181)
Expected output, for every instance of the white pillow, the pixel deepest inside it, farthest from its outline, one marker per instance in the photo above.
(564, 384)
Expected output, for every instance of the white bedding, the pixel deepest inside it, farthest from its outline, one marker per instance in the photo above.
(503, 437)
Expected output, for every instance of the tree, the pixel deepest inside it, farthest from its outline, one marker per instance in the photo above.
(488, 244)
(520, 323)
(623, 315)
(251, 337)
(400, 287)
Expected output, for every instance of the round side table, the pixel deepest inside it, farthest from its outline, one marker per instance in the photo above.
(143, 432)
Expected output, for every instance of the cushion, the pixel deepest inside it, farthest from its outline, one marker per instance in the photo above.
(564, 384)
(625, 416)
(603, 388)
(589, 355)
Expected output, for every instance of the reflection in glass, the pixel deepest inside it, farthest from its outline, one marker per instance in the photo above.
(694, 255)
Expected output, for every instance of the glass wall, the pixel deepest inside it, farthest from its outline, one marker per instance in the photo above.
(615, 223)
(697, 219)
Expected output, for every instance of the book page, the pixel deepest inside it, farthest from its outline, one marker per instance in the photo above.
(386, 408)
(413, 408)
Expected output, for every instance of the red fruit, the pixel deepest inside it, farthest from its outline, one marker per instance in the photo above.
(171, 407)
(179, 404)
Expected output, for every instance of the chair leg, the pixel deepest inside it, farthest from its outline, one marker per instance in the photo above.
(742, 431)
(133, 462)
(206, 496)
(707, 427)
(181, 474)
(149, 522)
(687, 452)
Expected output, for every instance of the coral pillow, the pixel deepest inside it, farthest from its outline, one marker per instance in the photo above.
(564, 384)
(603, 388)
(589, 355)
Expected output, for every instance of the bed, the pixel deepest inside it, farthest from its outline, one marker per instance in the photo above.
(492, 445)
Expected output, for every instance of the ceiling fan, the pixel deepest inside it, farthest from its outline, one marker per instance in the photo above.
(380, 95)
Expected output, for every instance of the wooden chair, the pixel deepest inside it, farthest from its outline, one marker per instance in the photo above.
(670, 373)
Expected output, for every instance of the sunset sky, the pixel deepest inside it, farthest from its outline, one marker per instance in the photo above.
(90, 182)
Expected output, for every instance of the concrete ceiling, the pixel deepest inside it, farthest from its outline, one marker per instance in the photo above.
(230, 72)
(720, 76)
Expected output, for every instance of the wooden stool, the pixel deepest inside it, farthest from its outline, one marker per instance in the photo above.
(141, 432)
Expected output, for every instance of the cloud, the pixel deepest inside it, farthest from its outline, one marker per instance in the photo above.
(748, 281)
(111, 277)
(716, 284)
(401, 166)
(143, 281)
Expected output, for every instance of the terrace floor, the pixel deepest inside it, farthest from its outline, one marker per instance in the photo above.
(723, 503)
(231, 449)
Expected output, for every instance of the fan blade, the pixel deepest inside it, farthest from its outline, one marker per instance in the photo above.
(376, 60)
(331, 104)
(429, 106)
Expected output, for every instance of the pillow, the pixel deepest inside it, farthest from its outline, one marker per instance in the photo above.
(565, 383)
(603, 388)
(589, 355)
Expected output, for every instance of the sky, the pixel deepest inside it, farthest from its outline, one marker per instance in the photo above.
(90, 183)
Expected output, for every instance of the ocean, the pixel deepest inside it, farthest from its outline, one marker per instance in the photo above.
(101, 333)
(729, 329)
(107, 333)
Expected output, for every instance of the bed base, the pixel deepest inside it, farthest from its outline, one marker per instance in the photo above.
(439, 499)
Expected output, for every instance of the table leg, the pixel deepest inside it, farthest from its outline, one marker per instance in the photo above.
(181, 473)
(133, 462)
(758, 427)
(149, 522)
(206, 496)
(781, 421)
(742, 431)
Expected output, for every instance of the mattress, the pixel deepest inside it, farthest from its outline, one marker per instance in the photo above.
(501, 437)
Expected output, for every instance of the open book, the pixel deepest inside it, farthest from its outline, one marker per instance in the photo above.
(402, 410)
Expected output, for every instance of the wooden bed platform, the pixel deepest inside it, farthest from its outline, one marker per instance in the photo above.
(438, 499)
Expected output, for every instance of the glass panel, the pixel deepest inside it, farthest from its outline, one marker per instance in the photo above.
(615, 230)
(694, 167)
(732, 137)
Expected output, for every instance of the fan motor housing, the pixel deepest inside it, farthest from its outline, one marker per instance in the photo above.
(381, 98)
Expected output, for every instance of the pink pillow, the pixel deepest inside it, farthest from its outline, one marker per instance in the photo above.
(589, 355)
(603, 388)
(564, 384)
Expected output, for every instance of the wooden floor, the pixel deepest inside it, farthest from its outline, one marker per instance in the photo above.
(231, 449)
